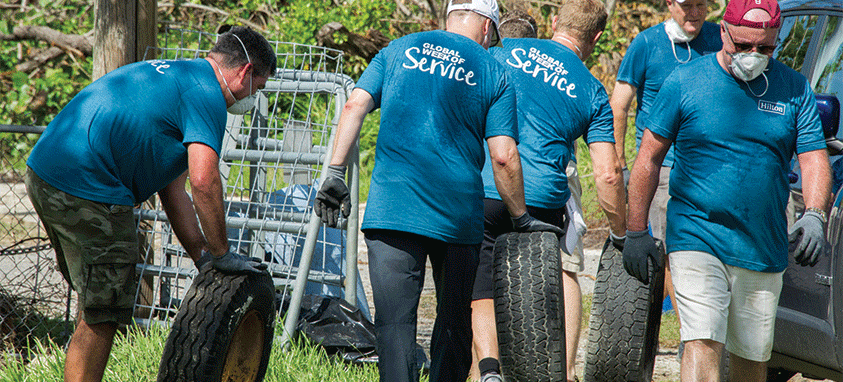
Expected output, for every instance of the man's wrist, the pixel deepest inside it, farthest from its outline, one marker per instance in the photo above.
(337, 170)
(818, 212)
(636, 234)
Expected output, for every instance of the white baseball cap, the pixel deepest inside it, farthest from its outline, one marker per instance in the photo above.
(486, 8)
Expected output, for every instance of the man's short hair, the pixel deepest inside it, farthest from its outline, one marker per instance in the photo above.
(518, 24)
(260, 51)
(582, 18)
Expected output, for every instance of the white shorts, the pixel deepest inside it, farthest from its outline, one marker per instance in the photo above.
(727, 304)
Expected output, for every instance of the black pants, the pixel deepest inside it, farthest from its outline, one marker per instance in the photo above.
(396, 267)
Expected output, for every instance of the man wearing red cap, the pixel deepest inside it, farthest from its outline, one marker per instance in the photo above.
(735, 119)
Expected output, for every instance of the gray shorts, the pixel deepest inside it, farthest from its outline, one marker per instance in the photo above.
(96, 249)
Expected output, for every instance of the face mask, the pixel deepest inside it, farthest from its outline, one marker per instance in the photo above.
(677, 35)
(241, 106)
(675, 32)
(748, 66)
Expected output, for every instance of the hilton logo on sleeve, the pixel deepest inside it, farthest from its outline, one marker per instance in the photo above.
(771, 107)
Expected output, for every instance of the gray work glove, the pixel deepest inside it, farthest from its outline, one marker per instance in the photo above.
(332, 196)
(234, 263)
(807, 237)
(527, 223)
(638, 247)
(626, 174)
(203, 259)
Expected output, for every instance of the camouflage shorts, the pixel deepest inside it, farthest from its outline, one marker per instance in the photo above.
(96, 249)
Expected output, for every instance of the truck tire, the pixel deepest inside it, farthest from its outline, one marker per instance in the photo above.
(223, 330)
(623, 337)
(529, 307)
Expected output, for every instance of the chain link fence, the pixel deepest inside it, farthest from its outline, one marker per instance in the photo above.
(271, 164)
(35, 301)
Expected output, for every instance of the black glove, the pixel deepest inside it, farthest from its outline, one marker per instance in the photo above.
(638, 247)
(617, 241)
(331, 196)
(206, 257)
(527, 223)
(626, 174)
(234, 263)
(807, 237)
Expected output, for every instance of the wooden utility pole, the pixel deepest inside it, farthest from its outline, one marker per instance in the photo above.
(123, 29)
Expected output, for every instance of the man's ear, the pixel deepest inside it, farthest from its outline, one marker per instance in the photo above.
(553, 23)
(596, 38)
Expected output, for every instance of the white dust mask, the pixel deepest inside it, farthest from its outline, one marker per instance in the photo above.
(675, 32)
(677, 35)
(748, 66)
(241, 106)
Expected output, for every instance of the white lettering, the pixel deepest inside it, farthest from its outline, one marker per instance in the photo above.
(446, 69)
(551, 69)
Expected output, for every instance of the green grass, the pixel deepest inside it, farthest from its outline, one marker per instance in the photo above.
(136, 355)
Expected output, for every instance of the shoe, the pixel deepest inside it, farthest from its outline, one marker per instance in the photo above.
(491, 377)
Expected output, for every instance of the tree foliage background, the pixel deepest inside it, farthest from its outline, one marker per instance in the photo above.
(46, 45)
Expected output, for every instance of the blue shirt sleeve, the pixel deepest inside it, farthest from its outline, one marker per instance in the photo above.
(633, 68)
(372, 78)
(809, 131)
(602, 127)
(502, 118)
(665, 123)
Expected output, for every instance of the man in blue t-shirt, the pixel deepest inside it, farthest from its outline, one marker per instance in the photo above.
(137, 131)
(441, 96)
(559, 100)
(735, 119)
(650, 58)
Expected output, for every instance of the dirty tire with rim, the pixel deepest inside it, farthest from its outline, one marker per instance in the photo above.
(223, 330)
(623, 334)
(529, 307)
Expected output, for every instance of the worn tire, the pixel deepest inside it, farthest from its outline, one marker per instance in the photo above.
(529, 307)
(623, 337)
(223, 330)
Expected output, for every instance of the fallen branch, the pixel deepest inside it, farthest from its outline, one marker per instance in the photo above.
(39, 59)
(75, 43)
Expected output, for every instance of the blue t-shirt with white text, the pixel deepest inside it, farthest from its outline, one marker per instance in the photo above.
(124, 136)
(729, 185)
(441, 95)
(650, 59)
(559, 100)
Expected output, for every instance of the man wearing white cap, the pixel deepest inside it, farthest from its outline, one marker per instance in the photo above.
(650, 58)
(727, 238)
(441, 96)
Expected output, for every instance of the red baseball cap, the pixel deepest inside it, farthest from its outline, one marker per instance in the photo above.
(736, 9)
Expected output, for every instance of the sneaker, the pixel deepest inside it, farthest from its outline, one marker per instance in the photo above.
(491, 377)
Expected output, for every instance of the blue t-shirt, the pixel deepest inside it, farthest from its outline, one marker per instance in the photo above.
(123, 137)
(729, 186)
(559, 100)
(648, 61)
(441, 95)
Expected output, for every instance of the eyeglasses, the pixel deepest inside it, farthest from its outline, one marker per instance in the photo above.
(743, 47)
